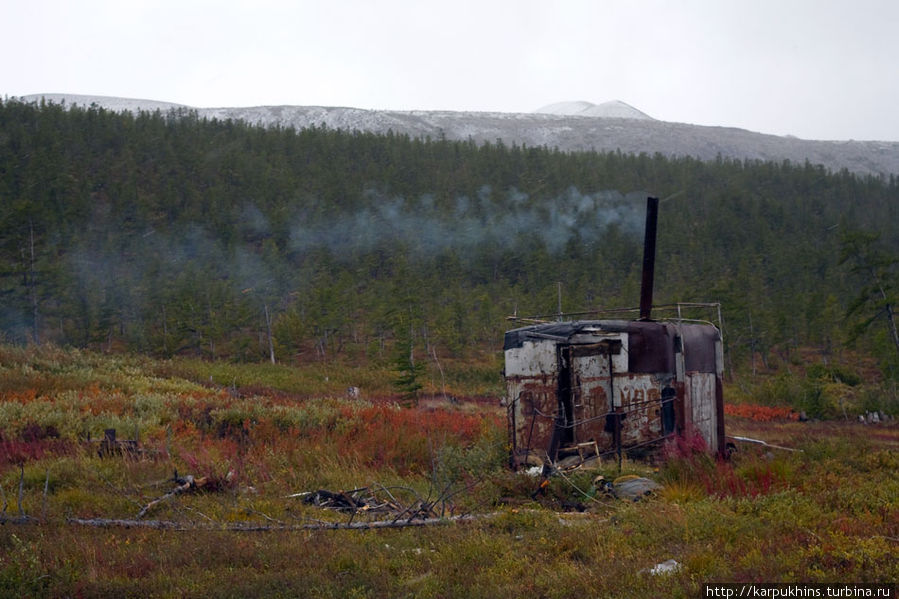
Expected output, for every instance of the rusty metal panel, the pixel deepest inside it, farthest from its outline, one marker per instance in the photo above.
(639, 401)
(531, 386)
(651, 347)
(602, 382)
(699, 344)
(532, 411)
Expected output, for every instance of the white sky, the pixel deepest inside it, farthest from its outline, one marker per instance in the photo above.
(817, 69)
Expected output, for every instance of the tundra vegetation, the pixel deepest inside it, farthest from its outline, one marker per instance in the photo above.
(213, 291)
(259, 438)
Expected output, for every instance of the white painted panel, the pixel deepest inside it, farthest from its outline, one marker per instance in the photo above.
(701, 386)
(533, 358)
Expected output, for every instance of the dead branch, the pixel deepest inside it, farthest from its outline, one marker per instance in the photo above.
(44, 500)
(236, 527)
(22, 518)
(265, 516)
(185, 484)
(124, 523)
(389, 494)
(763, 443)
(197, 512)
(21, 490)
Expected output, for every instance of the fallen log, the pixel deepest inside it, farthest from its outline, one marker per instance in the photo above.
(237, 527)
(125, 523)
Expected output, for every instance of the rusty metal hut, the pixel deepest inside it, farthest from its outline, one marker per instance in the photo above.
(584, 388)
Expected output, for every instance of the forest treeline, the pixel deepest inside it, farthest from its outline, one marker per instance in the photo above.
(171, 234)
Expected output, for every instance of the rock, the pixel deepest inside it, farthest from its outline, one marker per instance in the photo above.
(633, 488)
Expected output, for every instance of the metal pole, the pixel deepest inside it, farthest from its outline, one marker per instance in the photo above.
(649, 257)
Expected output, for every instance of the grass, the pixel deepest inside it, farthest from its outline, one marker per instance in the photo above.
(262, 433)
(477, 377)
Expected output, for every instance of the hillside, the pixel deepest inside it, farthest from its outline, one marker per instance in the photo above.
(594, 127)
(171, 234)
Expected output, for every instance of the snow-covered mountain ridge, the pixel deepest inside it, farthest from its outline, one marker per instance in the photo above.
(612, 109)
(568, 126)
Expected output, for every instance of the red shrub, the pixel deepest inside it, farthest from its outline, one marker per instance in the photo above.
(727, 482)
(21, 451)
(401, 438)
(35, 432)
(760, 413)
(685, 446)
(687, 460)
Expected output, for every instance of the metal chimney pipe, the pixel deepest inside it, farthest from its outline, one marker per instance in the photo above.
(649, 257)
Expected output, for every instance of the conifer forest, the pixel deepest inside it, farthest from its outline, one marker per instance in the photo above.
(167, 234)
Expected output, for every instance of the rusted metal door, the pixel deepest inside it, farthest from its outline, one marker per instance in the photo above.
(591, 374)
(532, 384)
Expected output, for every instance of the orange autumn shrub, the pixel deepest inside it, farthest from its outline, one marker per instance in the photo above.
(760, 413)
(401, 438)
(23, 396)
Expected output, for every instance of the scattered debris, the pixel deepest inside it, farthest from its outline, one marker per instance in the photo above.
(874, 418)
(541, 489)
(110, 446)
(667, 567)
(534, 471)
(363, 500)
(629, 487)
(345, 501)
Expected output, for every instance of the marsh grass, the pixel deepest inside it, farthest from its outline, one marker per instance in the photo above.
(262, 434)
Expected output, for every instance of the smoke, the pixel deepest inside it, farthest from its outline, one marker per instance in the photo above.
(131, 275)
(426, 225)
(14, 326)
(253, 222)
(119, 270)
(156, 264)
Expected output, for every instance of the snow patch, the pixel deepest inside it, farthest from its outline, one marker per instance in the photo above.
(566, 108)
(615, 109)
(106, 102)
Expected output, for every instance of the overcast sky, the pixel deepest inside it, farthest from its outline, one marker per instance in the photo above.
(817, 69)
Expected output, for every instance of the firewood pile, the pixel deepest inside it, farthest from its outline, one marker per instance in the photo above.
(365, 501)
(362, 508)
(347, 501)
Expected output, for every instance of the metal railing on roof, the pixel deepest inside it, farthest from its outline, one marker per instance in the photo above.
(678, 309)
